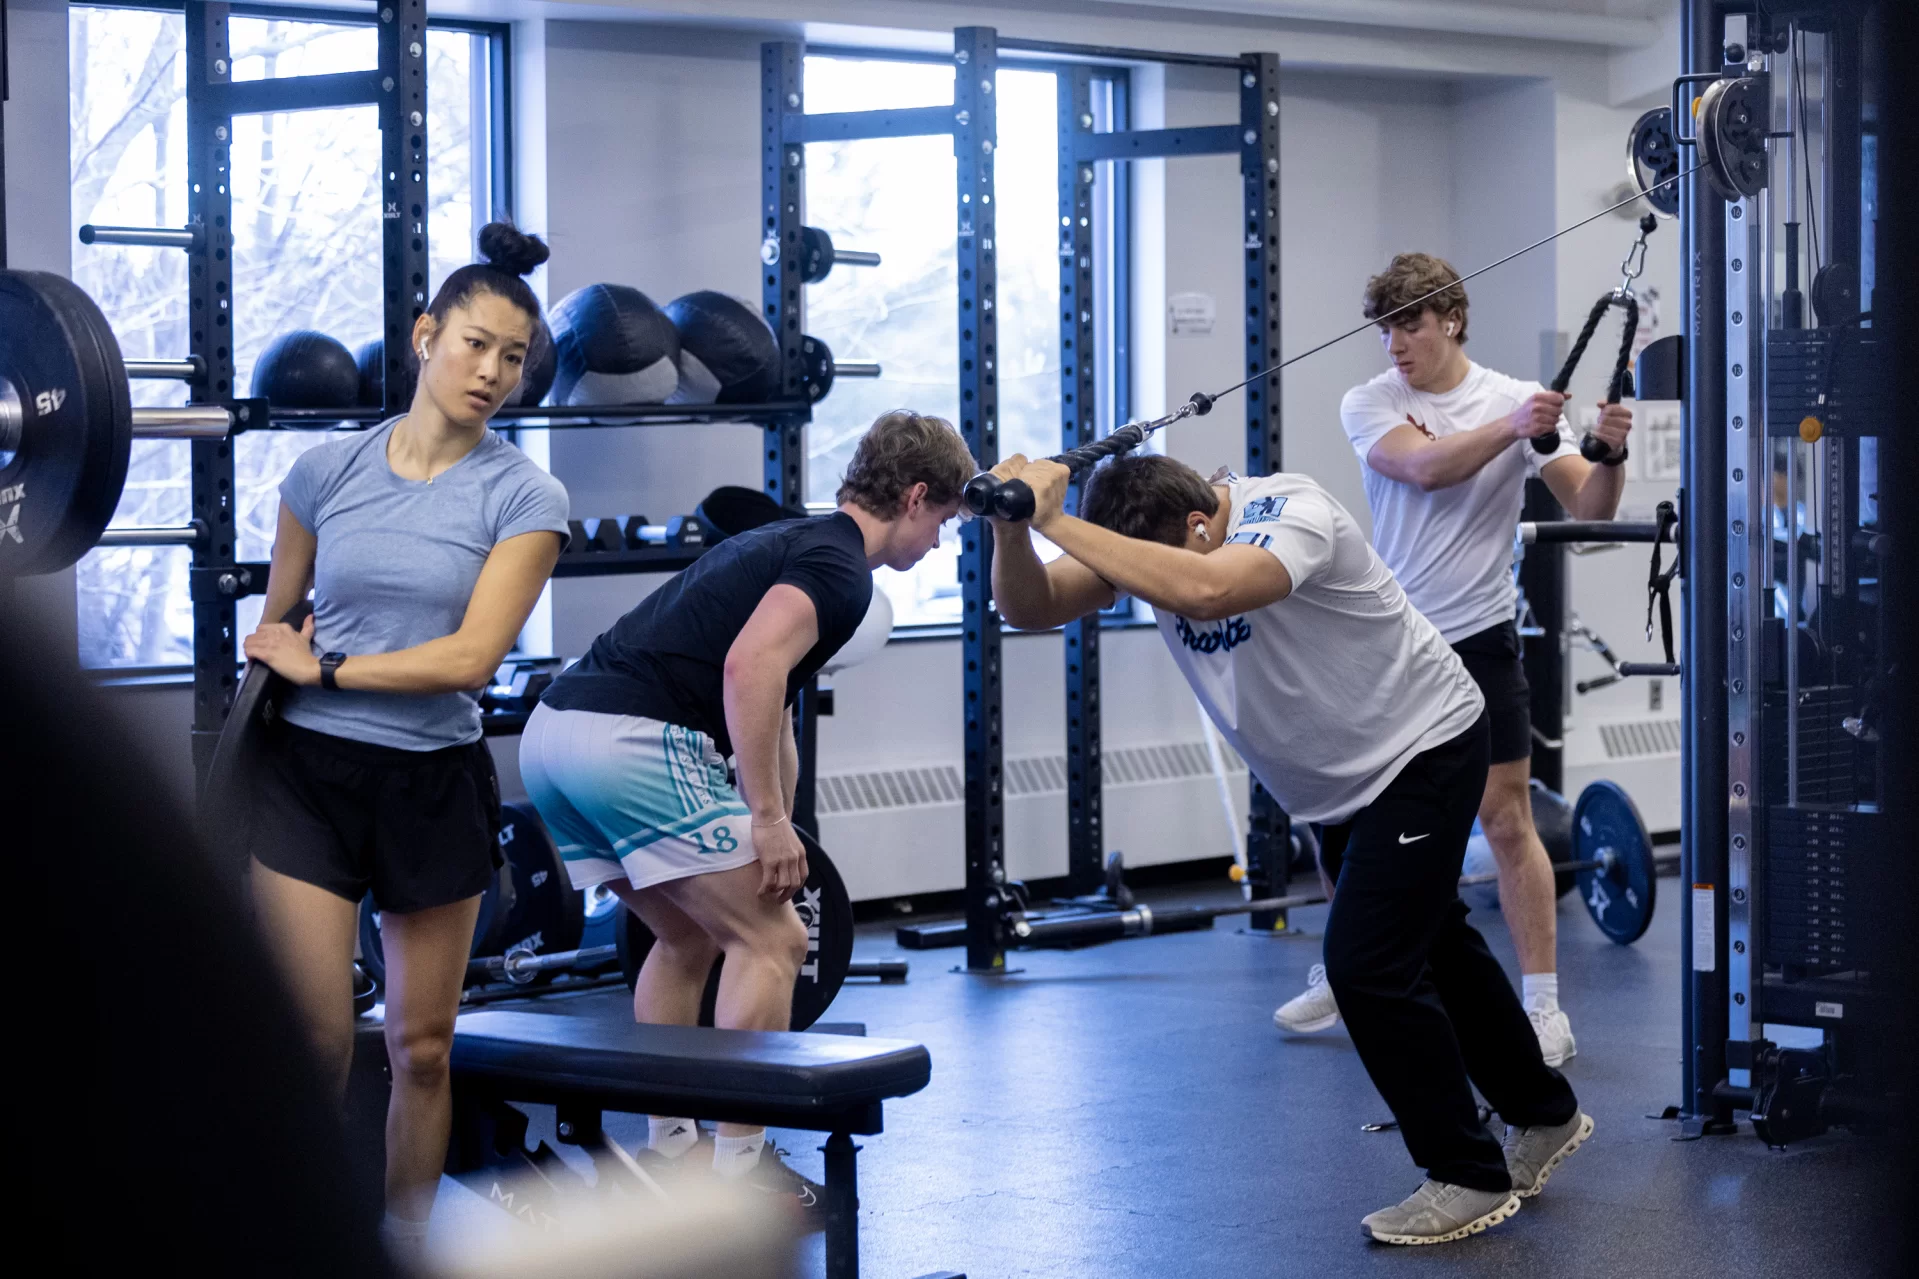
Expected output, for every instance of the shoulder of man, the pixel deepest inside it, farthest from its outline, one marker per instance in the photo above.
(1380, 392)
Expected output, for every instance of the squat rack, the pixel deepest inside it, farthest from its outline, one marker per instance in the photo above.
(397, 88)
(972, 122)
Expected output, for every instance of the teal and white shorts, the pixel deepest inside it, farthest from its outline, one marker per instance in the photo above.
(633, 797)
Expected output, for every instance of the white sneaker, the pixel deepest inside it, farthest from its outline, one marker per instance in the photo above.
(1555, 1033)
(1314, 1010)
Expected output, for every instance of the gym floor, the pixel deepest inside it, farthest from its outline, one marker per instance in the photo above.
(1130, 1110)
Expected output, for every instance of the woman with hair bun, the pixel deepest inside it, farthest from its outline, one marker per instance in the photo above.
(426, 542)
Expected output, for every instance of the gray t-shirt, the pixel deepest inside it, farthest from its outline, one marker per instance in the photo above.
(395, 567)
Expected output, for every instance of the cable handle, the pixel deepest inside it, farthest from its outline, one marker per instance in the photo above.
(1592, 448)
(1012, 500)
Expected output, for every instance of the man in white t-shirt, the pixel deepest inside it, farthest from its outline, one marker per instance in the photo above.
(1350, 708)
(1446, 447)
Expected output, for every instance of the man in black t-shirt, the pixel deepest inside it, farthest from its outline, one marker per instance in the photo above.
(625, 757)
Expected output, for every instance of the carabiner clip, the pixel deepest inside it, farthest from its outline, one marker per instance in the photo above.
(1634, 264)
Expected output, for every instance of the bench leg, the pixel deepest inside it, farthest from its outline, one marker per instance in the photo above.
(842, 1208)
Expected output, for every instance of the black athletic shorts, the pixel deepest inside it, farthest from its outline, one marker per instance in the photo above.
(1492, 658)
(417, 828)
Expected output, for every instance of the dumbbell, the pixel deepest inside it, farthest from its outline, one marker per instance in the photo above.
(633, 532)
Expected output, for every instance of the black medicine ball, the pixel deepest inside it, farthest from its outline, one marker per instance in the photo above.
(372, 361)
(614, 347)
(542, 364)
(728, 355)
(307, 370)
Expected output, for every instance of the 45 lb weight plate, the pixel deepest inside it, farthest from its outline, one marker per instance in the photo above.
(1620, 891)
(66, 423)
(826, 909)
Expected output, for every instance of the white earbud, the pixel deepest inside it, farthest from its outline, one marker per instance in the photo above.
(1203, 535)
(423, 350)
(1451, 329)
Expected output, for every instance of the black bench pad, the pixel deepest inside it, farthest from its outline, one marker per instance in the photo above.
(822, 1083)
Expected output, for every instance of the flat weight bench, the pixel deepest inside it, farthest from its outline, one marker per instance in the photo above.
(582, 1066)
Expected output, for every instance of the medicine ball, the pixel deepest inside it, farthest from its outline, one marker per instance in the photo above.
(307, 370)
(869, 638)
(728, 355)
(732, 508)
(372, 361)
(537, 371)
(613, 347)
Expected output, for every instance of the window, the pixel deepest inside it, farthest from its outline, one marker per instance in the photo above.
(306, 255)
(896, 197)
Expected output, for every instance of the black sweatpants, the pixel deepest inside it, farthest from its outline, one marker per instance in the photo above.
(1428, 1007)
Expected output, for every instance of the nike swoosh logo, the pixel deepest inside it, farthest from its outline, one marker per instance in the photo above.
(1412, 839)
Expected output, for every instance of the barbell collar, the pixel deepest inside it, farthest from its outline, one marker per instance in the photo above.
(186, 370)
(855, 257)
(855, 368)
(163, 535)
(185, 422)
(142, 236)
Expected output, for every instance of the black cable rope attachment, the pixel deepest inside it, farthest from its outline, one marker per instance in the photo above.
(1592, 448)
(1658, 581)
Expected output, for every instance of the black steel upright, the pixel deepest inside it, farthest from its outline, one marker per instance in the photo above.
(1085, 835)
(210, 339)
(403, 185)
(782, 285)
(1268, 835)
(1542, 577)
(1703, 696)
(975, 136)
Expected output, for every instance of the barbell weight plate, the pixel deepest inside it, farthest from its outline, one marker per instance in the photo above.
(63, 380)
(816, 254)
(1653, 158)
(818, 363)
(827, 910)
(1553, 819)
(1620, 895)
(226, 808)
(485, 928)
(547, 914)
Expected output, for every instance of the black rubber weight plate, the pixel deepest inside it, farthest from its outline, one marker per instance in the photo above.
(547, 916)
(65, 384)
(828, 913)
(1620, 897)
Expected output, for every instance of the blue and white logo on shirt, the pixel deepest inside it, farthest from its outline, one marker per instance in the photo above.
(1262, 509)
(1223, 637)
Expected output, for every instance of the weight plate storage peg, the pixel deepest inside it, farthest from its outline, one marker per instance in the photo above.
(66, 423)
(1619, 892)
(824, 906)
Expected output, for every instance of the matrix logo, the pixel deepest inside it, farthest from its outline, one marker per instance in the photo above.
(1225, 636)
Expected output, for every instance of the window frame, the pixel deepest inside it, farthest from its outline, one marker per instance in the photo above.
(499, 159)
(1116, 252)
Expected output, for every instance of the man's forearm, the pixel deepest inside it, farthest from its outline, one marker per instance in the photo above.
(1166, 577)
(789, 763)
(1599, 493)
(755, 719)
(1021, 588)
(1460, 456)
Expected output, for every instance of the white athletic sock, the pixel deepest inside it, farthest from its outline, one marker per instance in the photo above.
(671, 1137)
(1540, 992)
(736, 1156)
(405, 1241)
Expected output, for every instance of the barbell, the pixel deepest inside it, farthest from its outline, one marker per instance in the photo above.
(67, 425)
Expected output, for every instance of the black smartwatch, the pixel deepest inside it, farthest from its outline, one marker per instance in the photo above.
(329, 663)
(1616, 459)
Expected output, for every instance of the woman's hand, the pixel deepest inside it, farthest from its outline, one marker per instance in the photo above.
(287, 651)
(782, 860)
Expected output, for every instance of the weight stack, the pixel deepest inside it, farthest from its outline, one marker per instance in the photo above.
(1817, 873)
(1833, 764)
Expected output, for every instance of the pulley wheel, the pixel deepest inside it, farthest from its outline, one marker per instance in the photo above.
(1652, 158)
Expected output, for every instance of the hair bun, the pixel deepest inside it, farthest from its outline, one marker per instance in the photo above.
(507, 248)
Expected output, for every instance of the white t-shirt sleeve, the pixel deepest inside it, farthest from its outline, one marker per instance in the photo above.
(1567, 445)
(1297, 530)
(1368, 412)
